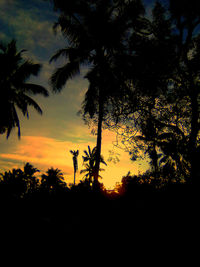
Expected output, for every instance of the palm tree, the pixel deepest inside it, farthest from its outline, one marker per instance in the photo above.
(75, 162)
(53, 179)
(14, 184)
(89, 161)
(14, 88)
(29, 176)
(95, 32)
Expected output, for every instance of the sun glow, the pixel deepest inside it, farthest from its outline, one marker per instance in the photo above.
(45, 152)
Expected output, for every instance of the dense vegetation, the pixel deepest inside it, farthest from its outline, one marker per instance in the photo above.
(45, 205)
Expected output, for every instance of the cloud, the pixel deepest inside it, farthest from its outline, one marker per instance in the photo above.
(6, 3)
(43, 153)
(34, 33)
(31, 27)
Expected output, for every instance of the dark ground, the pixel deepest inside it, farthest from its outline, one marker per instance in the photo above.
(159, 224)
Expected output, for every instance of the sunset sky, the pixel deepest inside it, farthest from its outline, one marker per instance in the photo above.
(46, 140)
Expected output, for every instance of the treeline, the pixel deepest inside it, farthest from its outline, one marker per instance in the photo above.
(46, 212)
(139, 191)
(42, 206)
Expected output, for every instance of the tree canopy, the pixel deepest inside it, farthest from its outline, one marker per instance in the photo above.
(15, 90)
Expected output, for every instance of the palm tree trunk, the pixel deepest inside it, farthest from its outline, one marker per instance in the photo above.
(74, 177)
(99, 138)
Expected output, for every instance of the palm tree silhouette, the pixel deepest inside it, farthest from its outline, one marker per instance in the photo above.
(29, 176)
(75, 162)
(94, 32)
(14, 183)
(53, 179)
(14, 88)
(89, 161)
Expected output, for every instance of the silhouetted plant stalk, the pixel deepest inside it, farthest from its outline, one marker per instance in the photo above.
(75, 162)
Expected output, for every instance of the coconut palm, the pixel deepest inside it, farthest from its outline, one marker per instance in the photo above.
(13, 183)
(15, 90)
(89, 161)
(53, 179)
(75, 162)
(29, 176)
(95, 32)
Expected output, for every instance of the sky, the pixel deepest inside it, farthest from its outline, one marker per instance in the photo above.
(46, 140)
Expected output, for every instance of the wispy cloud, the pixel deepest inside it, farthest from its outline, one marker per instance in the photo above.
(45, 152)
(32, 28)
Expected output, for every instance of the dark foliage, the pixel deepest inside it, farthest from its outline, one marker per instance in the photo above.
(15, 88)
(52, 212)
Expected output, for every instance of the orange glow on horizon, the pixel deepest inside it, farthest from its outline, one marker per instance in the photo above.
(45, 152)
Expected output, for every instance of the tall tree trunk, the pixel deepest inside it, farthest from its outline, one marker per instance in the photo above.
(99, 137)
(74, 177)
(101, 58)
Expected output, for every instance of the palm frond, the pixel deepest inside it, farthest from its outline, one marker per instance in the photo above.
(11, 47)
(71, 29)
(90, 103)
(102, 160)
(58, 54)
(89, 150)
(63, 74)
(83, 171)
(66, 52)
(86, 153)
(35, 89)
(14, 122)
(28, 101)
(25, 70)
(85, 159)
(15, 71)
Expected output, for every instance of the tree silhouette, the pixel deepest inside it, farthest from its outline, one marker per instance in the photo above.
(89, 163)
(186, 17)
(18, 183)
(52, 180)
(31, 180)
(75, 162)
(163, 90)
(13, 184)
(15, 88)
(96, 33)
